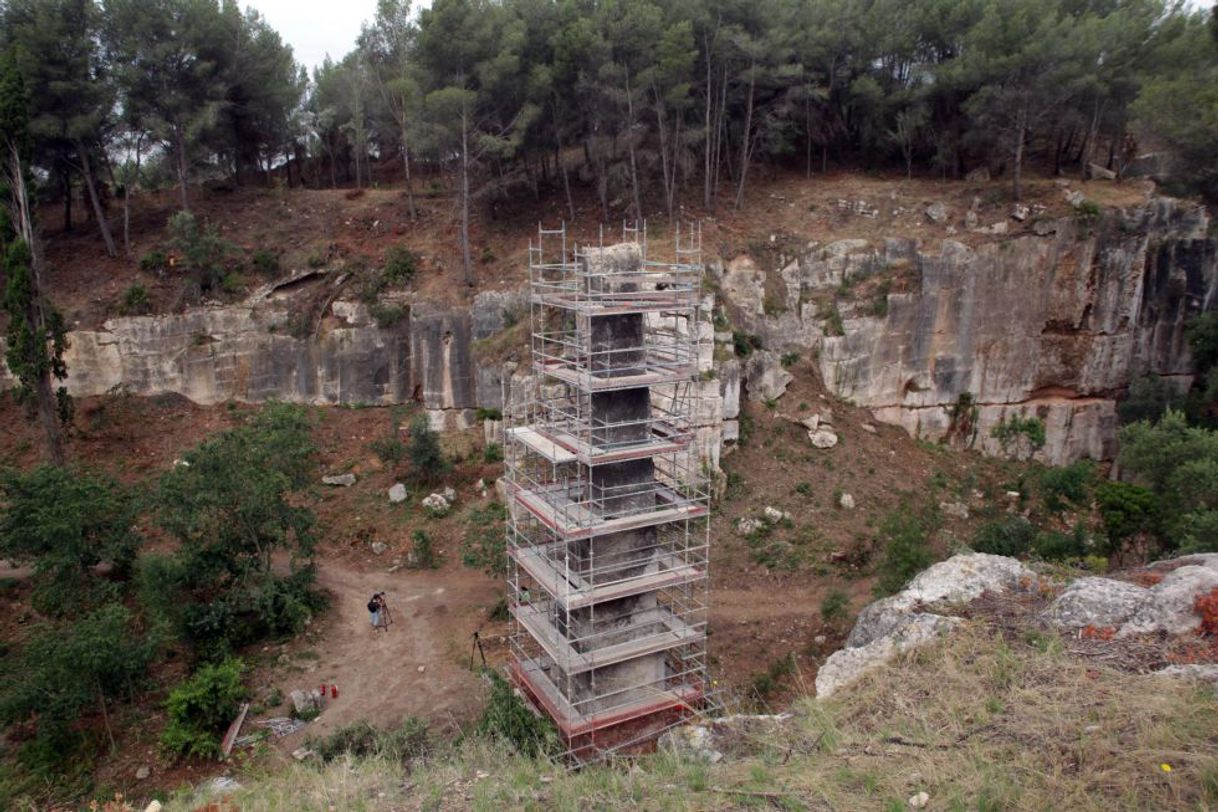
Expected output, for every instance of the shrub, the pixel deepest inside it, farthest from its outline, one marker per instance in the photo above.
(488, 414)
(387, 315)
(827, 311)
(493, 452)
(361, 740)
(201, 707)
(484, 545)
(744, 343)
(835, 607)
(136, 301)
(1011, 536)
(400, 265)
(154, 261)
(423, 554)
(426, 458)
(389, 450)
(65, 523)
(506, 718)
(907, 551)
(265, 262)
(789, 359)
(1020, 436)
(202, 250)
(1066, 484)
(1054, 546)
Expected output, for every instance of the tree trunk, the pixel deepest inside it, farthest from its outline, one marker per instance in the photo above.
(35, 310)
(634, 169)
(181, 150)
(466, 264)
(1021, 128)
(414, 213)
(706, 181)
(562, 165)
(101, 703)
(747, 139)
(102, 224)
(66, 173)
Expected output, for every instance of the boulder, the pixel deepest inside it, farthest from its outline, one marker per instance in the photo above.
(1020, 212)
(970, 219)
(1169, 605)
(937, 212)
(957, 510)
(153, 806)
(747, 525)
(965, 577)
(1099, 602)
(339, 480)
(1075, 197)
(764, 377)
(449, 494)
(1097, 172)
(869, 428)
(823, 437)
(691, 741)
(143, 772)
(1044, 227)
(979, 175)
(378, 547)
(397, 493)
(306, 702)
(846, 501)
(436, 505)
(847, 665)
(994, 229)
(773, 515)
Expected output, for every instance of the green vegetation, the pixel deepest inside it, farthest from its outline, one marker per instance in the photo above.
(485, 538)
(265, 262)
(505, 718)
(427, 461)
(1019, 436)
(201, 707)
(360, 739)
(203, 254)
(744, 343)
(423, 554)
(136, 301)
(835, 607)
(1011, 536)
(905, 536)
(400, 266)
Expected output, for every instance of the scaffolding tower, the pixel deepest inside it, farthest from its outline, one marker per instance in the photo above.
(609, 495)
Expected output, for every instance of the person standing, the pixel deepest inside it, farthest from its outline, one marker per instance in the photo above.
(374, 609)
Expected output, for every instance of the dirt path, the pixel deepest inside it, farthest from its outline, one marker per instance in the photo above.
(419, 667)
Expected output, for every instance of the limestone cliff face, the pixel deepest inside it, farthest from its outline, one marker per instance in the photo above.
(1054, 326)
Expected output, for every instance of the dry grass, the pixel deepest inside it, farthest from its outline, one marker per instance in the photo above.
(977, 722)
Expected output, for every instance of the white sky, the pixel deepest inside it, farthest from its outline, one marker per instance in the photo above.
(316, 27)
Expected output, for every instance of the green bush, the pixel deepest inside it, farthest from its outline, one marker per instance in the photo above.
(493, 452)
(1011, 536)
(154, 261)
(389, 450)
(361, 740)
(400, 266)
(1127, 511)
(387, 315)
(423, 554)
(744, 343)
(789, 359)
(1054, 546)
(506, 718)
(1070, 483)
(484, 545)
(426, 458)
(835, 607)
(907, 552)
(64, 523)
(1020, 436)
(204, 253)
(201, 707)
(136, 301)
(265, 262)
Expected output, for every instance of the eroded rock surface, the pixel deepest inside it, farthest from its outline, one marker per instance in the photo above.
(1097, 602)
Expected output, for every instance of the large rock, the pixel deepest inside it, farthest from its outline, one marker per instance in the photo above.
(1202, 672)
(339, 480)
(1099, 602)
(1169, 604)
(891, 625)
(847, 665)
(764, 376)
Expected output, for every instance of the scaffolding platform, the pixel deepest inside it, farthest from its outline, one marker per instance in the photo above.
(530, 676)
(655, 373)
(560, 447)
(572, 519)
(669, 631)
(572, 592)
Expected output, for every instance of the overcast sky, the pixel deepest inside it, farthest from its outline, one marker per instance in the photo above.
(316, 27)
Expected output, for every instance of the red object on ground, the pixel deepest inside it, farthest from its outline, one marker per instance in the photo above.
(334, 692)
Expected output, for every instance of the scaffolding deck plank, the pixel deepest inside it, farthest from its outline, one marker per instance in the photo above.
(572, 723)
(593, 383)
(574, 521)
(552, 451)
(590, 454)
(577, 594)
(571, 661)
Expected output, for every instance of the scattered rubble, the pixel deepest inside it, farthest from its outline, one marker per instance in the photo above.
(339, 480)
(397, 493)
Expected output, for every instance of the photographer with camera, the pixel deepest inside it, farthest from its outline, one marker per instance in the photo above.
(379, 610)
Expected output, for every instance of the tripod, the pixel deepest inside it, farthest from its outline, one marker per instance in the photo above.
(386, 617)
(476, 645)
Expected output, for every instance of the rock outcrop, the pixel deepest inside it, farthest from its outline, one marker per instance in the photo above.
(1052, 323)
(889, 626)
